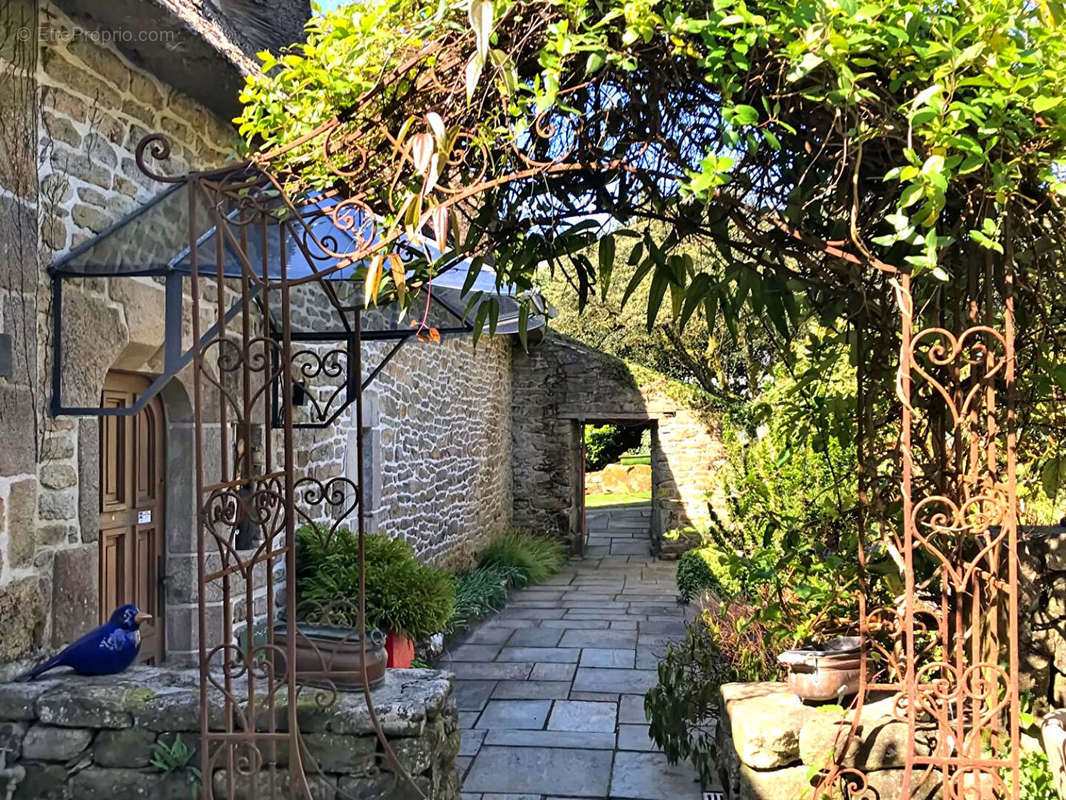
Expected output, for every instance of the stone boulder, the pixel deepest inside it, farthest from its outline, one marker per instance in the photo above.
(880, 740)
(639, 478)
(774, 747)
(615, 479)
(793, 783)
(789, 783)
(21, 618)
(48, 743)
(765, 721)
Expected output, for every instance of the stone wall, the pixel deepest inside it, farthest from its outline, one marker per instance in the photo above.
(439, 427)
(68, 172)
(770, 744)
(561, 383)
(436, 437)
(1042, 596)
(90, 738)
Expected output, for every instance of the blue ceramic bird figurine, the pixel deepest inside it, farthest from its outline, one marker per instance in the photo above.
(106, 650)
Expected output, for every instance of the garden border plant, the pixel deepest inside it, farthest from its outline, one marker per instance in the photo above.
(516, 559)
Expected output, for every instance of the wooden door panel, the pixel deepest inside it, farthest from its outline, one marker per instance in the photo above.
(132, 547)
(146, 596)
(114, 586)
(113, 455)
(146, 481)
(146, 579)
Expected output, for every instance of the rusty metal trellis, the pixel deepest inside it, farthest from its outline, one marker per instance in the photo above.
(947, 648)
(270, 255)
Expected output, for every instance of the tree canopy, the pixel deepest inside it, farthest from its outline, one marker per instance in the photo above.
(817, 149)
(802, 139)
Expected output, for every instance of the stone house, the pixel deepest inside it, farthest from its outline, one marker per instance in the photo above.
(459, 442)
(83, 82)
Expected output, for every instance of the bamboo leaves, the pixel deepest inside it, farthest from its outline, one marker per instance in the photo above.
(481, 16)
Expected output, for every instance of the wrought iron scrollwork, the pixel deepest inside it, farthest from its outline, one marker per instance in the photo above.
(948, 647)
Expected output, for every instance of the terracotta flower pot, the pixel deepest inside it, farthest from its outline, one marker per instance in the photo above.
(401, 650)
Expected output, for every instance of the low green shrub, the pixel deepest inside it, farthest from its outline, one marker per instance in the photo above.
(706, 569)
(1037, 779)
(516, 559)
(536, 557)
(480, 591)
(411, 598)
(682, 709)
(402, 595)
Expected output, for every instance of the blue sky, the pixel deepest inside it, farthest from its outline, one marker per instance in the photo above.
(328, 5)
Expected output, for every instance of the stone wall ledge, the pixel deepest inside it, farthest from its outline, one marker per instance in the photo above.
(771, 743)
(89, 737)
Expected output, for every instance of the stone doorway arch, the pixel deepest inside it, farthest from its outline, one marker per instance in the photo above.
(585, 513)
(559, 385)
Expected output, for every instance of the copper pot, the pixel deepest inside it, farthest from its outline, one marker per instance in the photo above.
(332, 656)
(828, 671)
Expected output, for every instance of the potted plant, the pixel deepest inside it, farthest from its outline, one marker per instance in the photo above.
(329, 645)
(406, 600)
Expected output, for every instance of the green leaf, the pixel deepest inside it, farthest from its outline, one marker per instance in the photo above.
(639, 275)
(697, 292)
(933, 165)
(776, 309)
(479, 322)
(745, 115)
(809, 62)
(986, 241)
(606, 263)
(473, 74)
(659, 283)
(911, 195)
(926, 95)
(1052, 476)
(971, 163)
(1043, 103)
(481, 13)
(494, 314)
(523, 325)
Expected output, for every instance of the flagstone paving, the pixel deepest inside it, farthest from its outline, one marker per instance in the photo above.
(550, 690)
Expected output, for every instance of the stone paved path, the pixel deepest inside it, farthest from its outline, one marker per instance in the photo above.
(550, 691)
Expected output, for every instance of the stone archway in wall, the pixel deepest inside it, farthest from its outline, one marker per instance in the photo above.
(559, 385)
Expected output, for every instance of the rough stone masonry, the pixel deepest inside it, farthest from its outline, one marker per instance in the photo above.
(96, 738)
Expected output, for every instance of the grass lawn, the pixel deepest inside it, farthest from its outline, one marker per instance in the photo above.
(599, 500)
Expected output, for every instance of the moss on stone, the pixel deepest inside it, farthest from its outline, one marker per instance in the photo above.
(687, 395)
(137, 698)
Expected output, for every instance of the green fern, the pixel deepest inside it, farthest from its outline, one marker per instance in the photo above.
(177, 757)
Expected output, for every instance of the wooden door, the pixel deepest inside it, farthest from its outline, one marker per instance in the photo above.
(132, 548)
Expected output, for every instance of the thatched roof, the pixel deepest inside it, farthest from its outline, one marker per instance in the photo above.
(204, 48)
